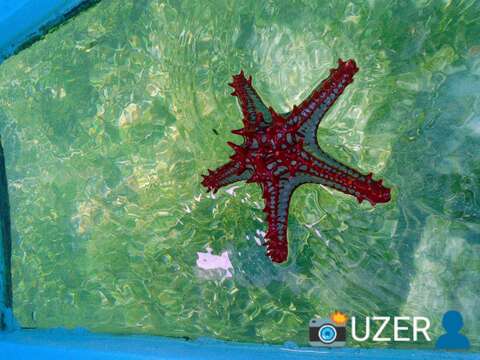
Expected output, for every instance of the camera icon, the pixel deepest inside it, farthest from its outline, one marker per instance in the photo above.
(327, 332)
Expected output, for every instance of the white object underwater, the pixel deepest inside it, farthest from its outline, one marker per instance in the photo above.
(209, 261)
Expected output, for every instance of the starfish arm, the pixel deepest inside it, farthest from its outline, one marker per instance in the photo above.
(307, 116)
(315, 150)
(227, 174)
(254, 110)
(343, 178)
(276, 194)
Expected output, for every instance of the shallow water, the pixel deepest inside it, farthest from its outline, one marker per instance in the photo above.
(109, 122)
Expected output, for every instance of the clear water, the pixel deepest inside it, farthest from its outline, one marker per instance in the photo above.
(108, 123)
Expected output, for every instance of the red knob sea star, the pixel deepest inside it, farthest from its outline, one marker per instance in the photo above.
(280, 152)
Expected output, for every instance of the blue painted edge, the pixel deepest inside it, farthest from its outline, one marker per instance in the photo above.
(7, 320)
(24, 20)
(81, 344)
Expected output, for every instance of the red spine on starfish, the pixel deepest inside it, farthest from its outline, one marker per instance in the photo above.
(281, 152)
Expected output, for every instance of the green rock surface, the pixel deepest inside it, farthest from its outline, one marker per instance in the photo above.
(108, 123)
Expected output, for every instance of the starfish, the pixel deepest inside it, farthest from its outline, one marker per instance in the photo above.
(280, 152)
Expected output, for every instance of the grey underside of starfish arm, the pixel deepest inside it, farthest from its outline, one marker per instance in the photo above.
(314, 179)
(309, 130)
(256, 105)
(233, 178)
(250, 102)
(314, 149)
(277, 200)
(225, 175)
(308, 115)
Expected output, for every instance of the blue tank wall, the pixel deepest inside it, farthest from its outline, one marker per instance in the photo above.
(21, 20)
(80, 344)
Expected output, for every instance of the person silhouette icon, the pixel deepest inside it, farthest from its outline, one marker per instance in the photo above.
(452, 323)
